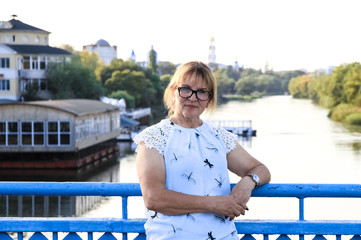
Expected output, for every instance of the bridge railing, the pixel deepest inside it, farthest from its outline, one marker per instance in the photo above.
(107, 228)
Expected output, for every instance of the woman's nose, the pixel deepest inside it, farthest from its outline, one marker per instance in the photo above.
(193, 97)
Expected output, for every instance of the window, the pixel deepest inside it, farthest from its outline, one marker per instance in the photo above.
(53, 133)
(13, 132)
(26, 62)
(32, 133)
(59, 133)
(64, 133)
(43, 63)
(35, 63)
(37, 39)
(25, 39)
(2, 133)
(4, 85)
(14, 38)
(26, 133)
(43, 84)
(39, 133)
(4, 62)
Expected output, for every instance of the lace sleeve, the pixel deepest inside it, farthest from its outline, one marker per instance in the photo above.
(153, 137)
(227, 137)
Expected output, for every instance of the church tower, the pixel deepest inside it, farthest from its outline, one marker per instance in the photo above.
(212, 63)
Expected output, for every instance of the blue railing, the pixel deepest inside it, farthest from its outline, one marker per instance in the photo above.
(74, 227)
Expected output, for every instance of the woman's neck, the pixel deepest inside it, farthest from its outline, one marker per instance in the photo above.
(186, 122)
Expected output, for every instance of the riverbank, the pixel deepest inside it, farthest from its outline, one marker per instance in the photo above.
(347, 114)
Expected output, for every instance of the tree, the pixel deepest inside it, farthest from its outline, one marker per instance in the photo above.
(166, 68)
(129, 100)
(336, 87)
(352, 82)
(225, 84)
(73, 80)
(152, 64)
(298, 86)
(91, 61)
(134, 82)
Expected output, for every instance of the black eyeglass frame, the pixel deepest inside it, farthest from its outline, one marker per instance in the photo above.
(196, 92)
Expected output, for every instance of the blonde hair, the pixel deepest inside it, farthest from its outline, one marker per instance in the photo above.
(200, 72)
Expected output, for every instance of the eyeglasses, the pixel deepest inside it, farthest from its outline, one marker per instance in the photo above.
(202, 95)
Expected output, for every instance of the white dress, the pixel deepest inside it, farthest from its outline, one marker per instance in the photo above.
(195, 162)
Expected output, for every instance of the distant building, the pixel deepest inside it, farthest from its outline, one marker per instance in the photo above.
(105, 52)
(57, 134)
(132, 56)
(24, 58)
(212, 63)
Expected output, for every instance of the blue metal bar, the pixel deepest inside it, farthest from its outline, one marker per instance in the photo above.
(301, 209)
(70, 189)
(133, 189)
(125, 213)
(329, 227)
(299, 227)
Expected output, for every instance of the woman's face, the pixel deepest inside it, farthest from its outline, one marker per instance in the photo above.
(190, 107)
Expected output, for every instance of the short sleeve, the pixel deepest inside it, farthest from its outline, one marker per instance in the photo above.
(227, 137)
(154, 137)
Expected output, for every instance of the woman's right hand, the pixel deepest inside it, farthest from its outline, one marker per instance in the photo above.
(227, 206)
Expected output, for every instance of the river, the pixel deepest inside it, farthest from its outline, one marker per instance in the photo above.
(298, 143)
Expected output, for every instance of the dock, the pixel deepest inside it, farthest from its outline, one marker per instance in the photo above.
(239, 127)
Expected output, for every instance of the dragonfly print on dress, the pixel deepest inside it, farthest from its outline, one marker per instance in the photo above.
(211, 147)
(189, 177)
(174, 230)
(210, 237)
(207, 163)
(219, 181)
(221, 218)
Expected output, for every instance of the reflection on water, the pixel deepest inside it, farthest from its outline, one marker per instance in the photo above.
(52, 206)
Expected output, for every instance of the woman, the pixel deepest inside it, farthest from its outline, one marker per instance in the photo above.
(183, 163)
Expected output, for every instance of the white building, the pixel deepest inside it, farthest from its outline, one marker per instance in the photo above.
(105, 52)
(24, 58)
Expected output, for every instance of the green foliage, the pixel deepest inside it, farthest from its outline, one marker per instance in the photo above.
(298, 86)
(121, 94)
(73, 80)
(166, 68)
(354, 119)
(152, 64)
(225, 84)
(340, 91)
(342, 111)
(31, 92)
(265, 83)
(134, 82)
(144, 85)
(164, 80)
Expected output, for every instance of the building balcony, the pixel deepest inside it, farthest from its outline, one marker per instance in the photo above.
(32, 74)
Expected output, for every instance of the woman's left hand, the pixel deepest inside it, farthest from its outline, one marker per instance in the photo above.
(242, 191)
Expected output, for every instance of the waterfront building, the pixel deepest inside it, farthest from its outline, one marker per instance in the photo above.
(25, 55)
(105, 52)
(57, 134)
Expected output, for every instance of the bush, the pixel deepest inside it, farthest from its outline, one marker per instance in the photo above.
(354, 119)
(342, 111)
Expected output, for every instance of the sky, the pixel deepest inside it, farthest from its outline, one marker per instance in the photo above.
(285, 34)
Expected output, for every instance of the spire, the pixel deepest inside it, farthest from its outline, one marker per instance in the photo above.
(132, 56)
(212, 63)
(236, 65)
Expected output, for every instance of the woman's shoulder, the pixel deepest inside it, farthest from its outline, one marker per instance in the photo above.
(155, 136)
(227, 137)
